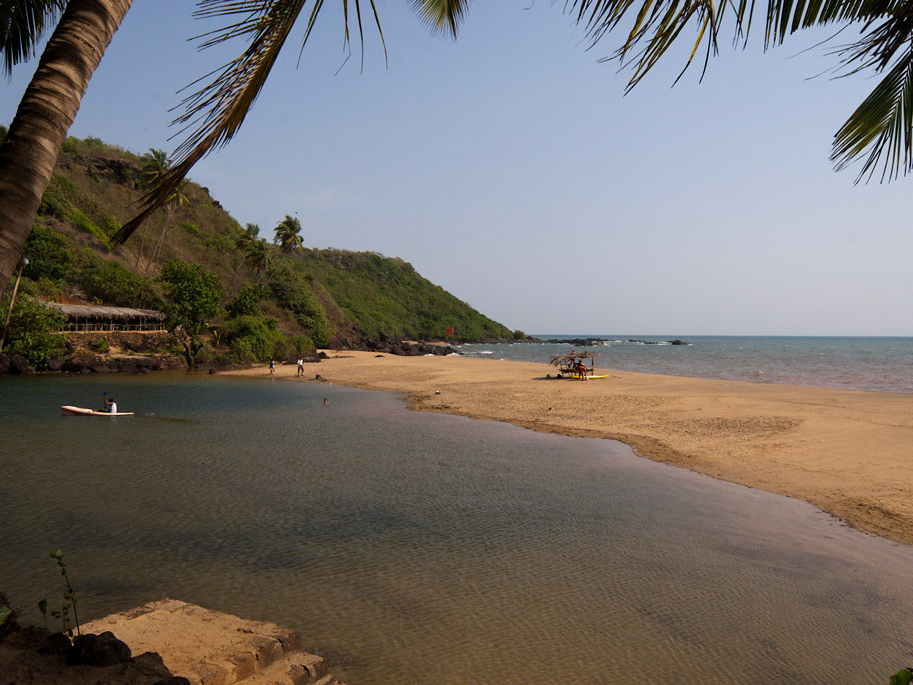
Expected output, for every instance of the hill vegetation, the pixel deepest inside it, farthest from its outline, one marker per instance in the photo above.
(276, 297)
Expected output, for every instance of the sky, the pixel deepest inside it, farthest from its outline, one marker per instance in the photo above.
(510, 168)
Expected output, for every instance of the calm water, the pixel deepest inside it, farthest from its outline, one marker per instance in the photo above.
(883, 364)
(422, 548)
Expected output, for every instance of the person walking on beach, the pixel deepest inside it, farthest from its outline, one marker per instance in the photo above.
(325, 401)
(272, 367)
(300, 367)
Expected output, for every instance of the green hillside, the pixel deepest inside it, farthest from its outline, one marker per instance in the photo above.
(328, 297)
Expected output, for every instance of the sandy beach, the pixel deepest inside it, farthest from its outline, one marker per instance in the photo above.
(848, 452)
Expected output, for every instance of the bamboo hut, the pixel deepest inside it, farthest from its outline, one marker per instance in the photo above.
(574, 364)
(83, 318)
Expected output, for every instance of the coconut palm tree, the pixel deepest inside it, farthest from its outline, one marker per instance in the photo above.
(288, 236)
(177, 198)
(880, 131)
(258, 257)
(49, 104)
(243, 245)
(155, 162)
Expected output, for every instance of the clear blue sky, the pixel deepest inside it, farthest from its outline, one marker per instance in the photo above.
(510, 168)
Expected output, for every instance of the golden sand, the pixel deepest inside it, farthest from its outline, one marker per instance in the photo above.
(848, 452)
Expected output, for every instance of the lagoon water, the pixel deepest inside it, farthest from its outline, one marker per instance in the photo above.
(424, 548)
(881, 364)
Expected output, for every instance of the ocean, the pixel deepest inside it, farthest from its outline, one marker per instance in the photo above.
(879, 364)
(414, 547)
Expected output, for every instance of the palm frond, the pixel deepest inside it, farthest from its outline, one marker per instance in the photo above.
(442, 15)
(214, 113)
(21, 24)
(881, 125)
(785, 17)
(654, 26)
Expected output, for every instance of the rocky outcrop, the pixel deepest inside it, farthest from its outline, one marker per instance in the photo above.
(224, 648)
(20, 365)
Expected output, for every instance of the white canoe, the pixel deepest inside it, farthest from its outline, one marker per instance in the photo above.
(82, 411)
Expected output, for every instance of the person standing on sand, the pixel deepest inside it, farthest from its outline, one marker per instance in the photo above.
(300, 367)
(272, 367)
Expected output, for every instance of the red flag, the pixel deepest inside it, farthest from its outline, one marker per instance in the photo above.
(449, 330)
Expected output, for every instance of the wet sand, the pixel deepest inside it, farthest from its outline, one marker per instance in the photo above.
(848, 452)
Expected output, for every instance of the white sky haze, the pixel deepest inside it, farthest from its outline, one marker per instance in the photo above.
(509, 167)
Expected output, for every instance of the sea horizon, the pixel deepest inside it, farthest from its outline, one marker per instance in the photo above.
(873, 363)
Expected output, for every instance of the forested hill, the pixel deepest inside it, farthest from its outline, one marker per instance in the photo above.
(330, 296)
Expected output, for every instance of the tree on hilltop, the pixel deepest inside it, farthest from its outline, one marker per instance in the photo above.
(155, 165)
(258, 256)
(879, 132)
(288, 235)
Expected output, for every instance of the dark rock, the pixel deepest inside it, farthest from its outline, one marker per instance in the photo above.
(152, 664)
(98, 650)
(57, 643)
(148, 363)
(79, 364)
(323, 355)
(4, 363)
(55, 364)
(20, 365)
(678, 342)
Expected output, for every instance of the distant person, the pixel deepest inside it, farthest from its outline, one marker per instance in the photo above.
(325, 401)
(300, 367)
(272, 367)
(110, 405)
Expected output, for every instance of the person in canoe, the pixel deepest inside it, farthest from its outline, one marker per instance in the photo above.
(110, 404)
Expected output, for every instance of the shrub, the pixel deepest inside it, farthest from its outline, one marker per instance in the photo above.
(284, 349)
(250, 338)
(48, 253)
(304, 346)
(247, 303)
(294, 293)
(113, 284)
(33, 331)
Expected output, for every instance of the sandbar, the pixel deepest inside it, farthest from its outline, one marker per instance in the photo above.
(848, 452)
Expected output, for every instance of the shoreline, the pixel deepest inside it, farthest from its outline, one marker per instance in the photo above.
(848, 452)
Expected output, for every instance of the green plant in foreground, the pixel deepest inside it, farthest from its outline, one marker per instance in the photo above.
(69, 601)
(903, 677)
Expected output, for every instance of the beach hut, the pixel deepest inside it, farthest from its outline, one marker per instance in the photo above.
(574, 364)
(84, 317)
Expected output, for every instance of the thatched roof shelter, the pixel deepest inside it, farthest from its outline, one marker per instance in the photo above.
(87, 317)
(571, 357)
(574, 363)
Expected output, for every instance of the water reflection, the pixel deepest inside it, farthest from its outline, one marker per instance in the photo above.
(432, 549)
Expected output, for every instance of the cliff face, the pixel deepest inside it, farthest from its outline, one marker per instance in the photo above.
(343, 297)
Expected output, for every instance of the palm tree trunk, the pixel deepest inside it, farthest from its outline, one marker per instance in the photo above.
(47, 109)
(142, 244)
(154, 259)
